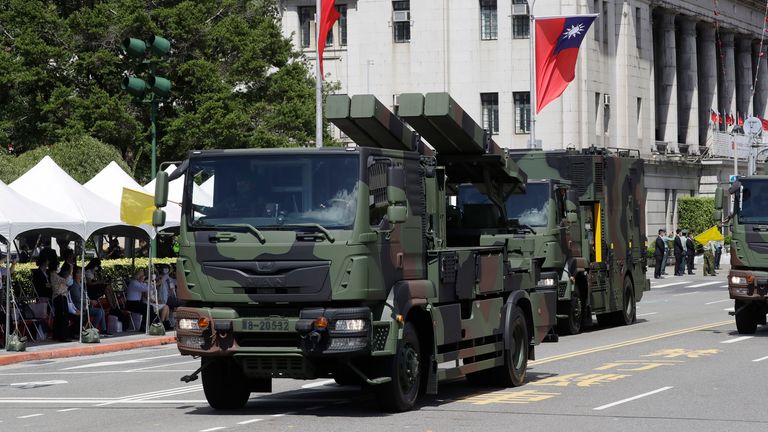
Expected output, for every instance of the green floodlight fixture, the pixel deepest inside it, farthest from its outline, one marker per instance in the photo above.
(159, 45)
(134, 47)
(159, 86)
(136, 87)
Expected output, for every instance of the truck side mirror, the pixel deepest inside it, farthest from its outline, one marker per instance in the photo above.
(717, 216)
(719, 198)
(396, 185)
(158, 218)
(161, 189)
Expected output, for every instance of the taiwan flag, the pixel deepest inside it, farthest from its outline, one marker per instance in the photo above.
(557, 47)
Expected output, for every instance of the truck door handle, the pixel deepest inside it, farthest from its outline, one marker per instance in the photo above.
(222, 238)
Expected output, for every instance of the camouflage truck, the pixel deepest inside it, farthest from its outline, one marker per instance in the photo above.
(748, 277)
(337, 262)
(588, 208)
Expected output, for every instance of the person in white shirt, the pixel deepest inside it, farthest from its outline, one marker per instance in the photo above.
(136, 294)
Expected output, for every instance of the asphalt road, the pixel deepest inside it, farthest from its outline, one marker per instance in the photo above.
(681, 367)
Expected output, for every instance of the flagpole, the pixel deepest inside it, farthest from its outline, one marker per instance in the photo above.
(532, 38)
(318, 79)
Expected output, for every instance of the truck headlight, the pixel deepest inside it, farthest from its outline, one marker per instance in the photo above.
(350, 325)
(193, 324)
(738, 280)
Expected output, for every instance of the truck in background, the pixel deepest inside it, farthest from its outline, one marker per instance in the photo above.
(590, 206)
(748, 277)
(338, 262)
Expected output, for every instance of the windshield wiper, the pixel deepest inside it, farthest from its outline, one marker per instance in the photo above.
(252, 229)
(317, 226)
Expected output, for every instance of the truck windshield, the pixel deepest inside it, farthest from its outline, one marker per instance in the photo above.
(530, 208)
(272, 190)
(754, 201)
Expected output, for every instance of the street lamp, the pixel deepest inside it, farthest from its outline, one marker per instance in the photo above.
(155, 87)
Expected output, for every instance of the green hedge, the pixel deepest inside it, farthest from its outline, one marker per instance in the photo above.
(110, 269)
(695, 213)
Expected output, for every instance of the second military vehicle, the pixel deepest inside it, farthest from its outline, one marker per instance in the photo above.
(339, 262)
(748, 277)
(590, 207)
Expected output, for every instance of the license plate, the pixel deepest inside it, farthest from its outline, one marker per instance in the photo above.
(266, 325)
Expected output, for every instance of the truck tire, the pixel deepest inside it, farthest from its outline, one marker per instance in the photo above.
(746, 319)
(512, 373)
(224, 385)
(575, 312)
(405, 369)
(628, 314)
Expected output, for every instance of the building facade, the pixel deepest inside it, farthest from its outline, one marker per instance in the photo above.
(649, 77)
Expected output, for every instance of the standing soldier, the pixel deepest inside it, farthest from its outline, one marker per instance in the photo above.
(659, 253)
(709, 260)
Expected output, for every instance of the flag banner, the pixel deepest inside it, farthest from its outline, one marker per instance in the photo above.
(328, 16)
(557, 48)
(712, 234)
(729, 120)
(715, 116)
(764, 122)
(136, 208)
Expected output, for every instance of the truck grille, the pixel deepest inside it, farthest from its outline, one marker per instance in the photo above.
(287, 366)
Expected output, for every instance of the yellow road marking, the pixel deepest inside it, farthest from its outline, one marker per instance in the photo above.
(514, 397)
(627, 343)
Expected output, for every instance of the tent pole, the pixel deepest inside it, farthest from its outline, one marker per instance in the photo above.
(82, 289)
(151, 285)
(8, 298)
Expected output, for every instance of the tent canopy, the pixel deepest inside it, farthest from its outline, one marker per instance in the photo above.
(19, 214)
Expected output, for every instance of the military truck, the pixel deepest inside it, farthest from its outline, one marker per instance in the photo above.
(748, 277)
(589, 207)
(338, 262)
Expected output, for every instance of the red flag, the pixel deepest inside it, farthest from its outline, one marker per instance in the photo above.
(741, 121)
(728, 120)
(557, 48)
(328, 16)
(714, 116)
(764, 122)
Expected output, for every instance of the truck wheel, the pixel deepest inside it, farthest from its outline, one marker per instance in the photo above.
(224, 385)
(629, 314)
(746, 319)
(516, 357)
(404, 368)
(572, 324)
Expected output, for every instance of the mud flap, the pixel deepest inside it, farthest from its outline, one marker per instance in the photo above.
(432, 376)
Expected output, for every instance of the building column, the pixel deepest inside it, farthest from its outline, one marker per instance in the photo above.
(687, 83)
(744, 76)
(666, 77)
(706, 51)
(726, 76)
(760, 67)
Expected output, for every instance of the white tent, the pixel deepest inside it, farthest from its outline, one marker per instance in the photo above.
(109, 184)
(19, 214)
(47, 184)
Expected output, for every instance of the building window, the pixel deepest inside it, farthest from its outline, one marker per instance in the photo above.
(342, 24)
(522, 112)
(606, 113)
(490, 104)
(521, 22)
(639, 118)
(598, 126)
(638, 27)
(488, 20)
(306, 19)
(401, 21)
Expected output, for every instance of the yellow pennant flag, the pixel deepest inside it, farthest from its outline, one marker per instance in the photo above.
(712, 234)
(136, 207)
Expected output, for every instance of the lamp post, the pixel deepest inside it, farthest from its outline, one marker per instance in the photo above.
(149, 91)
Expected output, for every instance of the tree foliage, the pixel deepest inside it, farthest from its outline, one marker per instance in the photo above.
(237, 81)
(82, 158)
(695, 213)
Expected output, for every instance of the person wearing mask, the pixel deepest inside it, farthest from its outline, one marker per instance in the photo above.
(658, 254)
(138, 289)
(96, 314)
(40, 278)
(59, 291)
(93, 283)
(690, 252)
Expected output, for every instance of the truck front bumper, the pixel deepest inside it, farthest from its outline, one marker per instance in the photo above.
(748, 285)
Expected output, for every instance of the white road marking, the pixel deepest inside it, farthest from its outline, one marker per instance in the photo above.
(703, 284)
(119, 362)
(317, 384)
(647, 314)
(67, 409)
(283, 415)
(96, 402)
(154, 395)
(613, 404)
(668, 284)
(718, 301)
(730, 309)
(738, 339)
(162, 365)
(684, 294)
(760, 359)
(723, 286)
(30, 416)
(38, 383)
(249, 421)
(213, 429)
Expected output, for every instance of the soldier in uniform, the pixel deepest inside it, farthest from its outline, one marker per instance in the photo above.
(709, 260)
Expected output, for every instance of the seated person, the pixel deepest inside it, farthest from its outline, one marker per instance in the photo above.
(95, 312)
(96, 286)
(158, 303)
(136, 294)
(114, 251)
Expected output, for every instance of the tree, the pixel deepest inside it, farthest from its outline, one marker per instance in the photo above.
(695, 213)
(237, 80)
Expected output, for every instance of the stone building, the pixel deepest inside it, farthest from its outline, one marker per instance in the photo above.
(649, 75)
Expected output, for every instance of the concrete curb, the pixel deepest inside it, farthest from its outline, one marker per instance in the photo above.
(85, 350)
